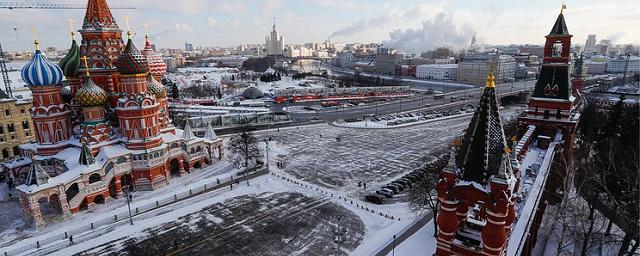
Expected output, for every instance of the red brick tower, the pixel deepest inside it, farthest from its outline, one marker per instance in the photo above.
(102, 44)
(157, 69)
(51, 115)
(137, 109)
(553, 108)
(477, 191)
(577, 83)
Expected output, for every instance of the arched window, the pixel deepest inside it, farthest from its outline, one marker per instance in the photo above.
(94, 178)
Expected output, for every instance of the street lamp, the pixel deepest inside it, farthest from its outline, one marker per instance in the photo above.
(129, 197)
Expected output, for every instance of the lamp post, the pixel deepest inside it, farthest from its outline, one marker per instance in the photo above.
(129, 199)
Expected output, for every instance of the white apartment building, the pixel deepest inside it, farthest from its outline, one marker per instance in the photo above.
(617, 65)
(437, 71)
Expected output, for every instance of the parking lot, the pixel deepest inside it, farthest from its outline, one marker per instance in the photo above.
(339, 158)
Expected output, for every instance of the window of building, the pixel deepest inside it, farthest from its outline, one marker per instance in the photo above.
(557, 49)
(22, 110)
(7, 112)
(1, 129)
(558, 114)
(546, 114)
(11, 128)
(5, 153)
(16, 151)
(25, 125)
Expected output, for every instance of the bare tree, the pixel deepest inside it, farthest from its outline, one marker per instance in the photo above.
(423, 192)
(243, 148)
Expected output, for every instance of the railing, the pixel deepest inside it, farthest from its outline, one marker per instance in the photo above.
(77, 199)
(121, 218)
(123, 168)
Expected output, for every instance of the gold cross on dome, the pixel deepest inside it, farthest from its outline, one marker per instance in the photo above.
(71, 21)
(126, 20)
(86, 65)
(34, 34)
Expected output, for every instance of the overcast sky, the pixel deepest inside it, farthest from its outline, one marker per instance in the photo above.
(413, 24)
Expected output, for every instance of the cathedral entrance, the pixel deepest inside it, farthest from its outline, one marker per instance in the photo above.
(72, 191)
(112, 188)
(174, 166)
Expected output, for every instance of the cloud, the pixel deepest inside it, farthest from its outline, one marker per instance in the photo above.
(435, 32)
(182, 27)
(212, 22)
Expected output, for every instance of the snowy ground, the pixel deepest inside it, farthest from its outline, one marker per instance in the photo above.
(422, 241)
(271, 224)
(373, 156)
(14, 228)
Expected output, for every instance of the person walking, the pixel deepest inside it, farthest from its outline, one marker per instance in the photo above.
(71, 240)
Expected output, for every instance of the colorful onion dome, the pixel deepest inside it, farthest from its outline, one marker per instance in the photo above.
(131, 61)
(40, 71)
(157, 67)
(70, 64)
(155, 87)
(90, 94)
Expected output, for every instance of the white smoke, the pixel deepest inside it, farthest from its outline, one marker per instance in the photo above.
(438, 31)
(362, 25)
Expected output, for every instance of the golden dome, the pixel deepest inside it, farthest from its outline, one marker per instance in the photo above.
(155, 87)
(90, 94)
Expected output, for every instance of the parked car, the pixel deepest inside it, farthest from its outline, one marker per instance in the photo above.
(396, 189)
(385, 192)
(315, 118)
(404, 183)
(374, 198)
(400, 185)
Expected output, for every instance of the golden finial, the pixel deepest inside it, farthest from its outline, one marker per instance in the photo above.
(490, 78)
(86, 65)
(36, 43)
(73, 35)
(507, 150)
(126, 20)
(514, 138)
(146, 32)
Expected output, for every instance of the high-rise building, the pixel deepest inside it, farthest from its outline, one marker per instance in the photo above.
(591, 42)
(274, 43)
(188, 47)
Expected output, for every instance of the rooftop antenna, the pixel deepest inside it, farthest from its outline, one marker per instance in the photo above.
(17, 39)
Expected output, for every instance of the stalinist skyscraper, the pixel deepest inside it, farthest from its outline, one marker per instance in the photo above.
(274, 43)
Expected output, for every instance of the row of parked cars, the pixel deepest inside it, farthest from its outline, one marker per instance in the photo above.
(418, 116)
(405, 183)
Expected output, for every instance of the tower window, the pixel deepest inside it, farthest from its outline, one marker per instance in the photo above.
(7, 112)
(557, 49)
(546, 114)
(558, 114)
(25, 125)
(5, 153)
(11, 128)
(16, 151)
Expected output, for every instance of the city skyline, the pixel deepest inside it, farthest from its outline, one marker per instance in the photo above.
(425, 24)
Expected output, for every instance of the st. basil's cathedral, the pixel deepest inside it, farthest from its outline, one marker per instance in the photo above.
(108, 130)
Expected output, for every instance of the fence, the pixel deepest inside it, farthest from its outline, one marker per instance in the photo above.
(122, 218)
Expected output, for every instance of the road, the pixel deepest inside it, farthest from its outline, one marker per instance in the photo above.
(420, 100)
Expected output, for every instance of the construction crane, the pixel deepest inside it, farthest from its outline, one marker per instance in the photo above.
(36, 5)
(5, 74)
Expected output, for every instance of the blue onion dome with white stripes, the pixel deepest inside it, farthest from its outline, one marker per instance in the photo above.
(40, 71)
